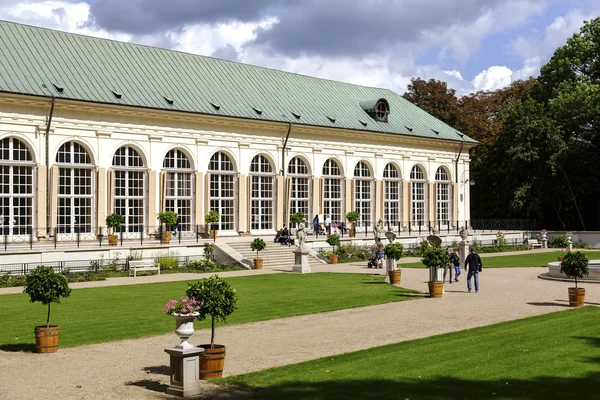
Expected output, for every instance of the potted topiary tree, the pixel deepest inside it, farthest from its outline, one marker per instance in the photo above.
(258, 245)
(353, 217)
(219, 301)
(297, 217)
(575, 265)
(333, 240)
(212, 218)
(167, 220)
(113, 221)
(46, 286)
(435, 258)
(393, 252)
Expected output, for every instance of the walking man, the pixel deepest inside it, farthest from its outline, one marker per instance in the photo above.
(474, 262)
(455, 261)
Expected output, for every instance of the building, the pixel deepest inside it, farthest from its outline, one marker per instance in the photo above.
(90, 126)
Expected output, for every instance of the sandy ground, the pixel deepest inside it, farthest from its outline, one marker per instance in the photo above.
(138, 369)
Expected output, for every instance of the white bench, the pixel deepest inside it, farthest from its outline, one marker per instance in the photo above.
(534, 243)
(142, 265)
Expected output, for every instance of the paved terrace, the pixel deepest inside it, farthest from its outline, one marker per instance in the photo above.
(138, 369)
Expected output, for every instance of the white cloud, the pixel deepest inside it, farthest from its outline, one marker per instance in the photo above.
(495, 77)
(454, 73)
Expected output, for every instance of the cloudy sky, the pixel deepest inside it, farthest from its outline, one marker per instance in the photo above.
(471, 44)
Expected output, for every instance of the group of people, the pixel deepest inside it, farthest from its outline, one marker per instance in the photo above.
(283, 237)
(472, 264)
(326, 226)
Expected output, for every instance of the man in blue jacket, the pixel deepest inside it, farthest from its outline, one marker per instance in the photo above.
(474, 262)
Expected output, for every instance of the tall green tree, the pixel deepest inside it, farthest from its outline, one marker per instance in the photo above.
(434, 97)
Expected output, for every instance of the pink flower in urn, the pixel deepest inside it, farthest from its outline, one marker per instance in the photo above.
(187, 305)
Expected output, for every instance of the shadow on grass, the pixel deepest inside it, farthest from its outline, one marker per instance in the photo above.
(546, 304)
(158, 369)
(16, 347)
(541, 388)
(149, 384)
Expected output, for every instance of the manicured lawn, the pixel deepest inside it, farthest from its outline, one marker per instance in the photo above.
(515, 261)
(554, 356)
(123, 312)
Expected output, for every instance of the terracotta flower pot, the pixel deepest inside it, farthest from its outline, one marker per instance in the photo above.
(258, 263)
(333, 258)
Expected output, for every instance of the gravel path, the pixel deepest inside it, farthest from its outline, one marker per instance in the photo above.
(138, 369)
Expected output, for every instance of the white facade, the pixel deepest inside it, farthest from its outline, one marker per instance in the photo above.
(139, 182)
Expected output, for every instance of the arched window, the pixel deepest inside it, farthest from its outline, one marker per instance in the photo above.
(442, 182)
(332, 191)
(179, 193)
(130, 188)
(392, 201)
(263, 198)
(363, 191)
(76, 191)
(419, 196)
(222, 190)
(16, 187)
(299, 187)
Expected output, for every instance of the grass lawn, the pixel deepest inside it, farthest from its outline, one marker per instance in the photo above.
(515, 261)
(554, 356)
(123, 312)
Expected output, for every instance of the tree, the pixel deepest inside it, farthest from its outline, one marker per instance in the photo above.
(434, 97)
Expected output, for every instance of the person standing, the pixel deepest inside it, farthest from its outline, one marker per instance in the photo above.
(316, 224)
(455, 261)
(473, 261)
(449, 267)
(328, 225)
(379, 253)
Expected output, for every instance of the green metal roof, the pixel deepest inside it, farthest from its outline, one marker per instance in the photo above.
(44, 62)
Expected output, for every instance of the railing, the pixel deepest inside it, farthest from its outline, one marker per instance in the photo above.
(86, 265)
(97, 236)
(132, 235)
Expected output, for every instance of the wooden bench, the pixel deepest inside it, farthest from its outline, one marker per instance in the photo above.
(142, 265)
(534, 243)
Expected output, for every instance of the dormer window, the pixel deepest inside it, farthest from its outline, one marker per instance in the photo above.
(382, 110)
(377, 109)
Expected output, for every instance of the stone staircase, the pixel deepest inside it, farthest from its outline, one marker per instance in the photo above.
(274, 255)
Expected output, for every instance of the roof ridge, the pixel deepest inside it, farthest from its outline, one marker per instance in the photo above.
(192, 54)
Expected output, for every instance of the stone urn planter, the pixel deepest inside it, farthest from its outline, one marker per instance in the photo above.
(184, 328)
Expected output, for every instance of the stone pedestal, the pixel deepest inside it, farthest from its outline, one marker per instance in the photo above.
(185, 372)
(390, 264)
(570, 246)
(544, 243)
(463, 252)
(301, 264)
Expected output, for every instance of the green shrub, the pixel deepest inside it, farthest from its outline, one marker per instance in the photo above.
(435, 257)
(500, 239)
(421, 248)
(167, 217)
(219, 301)
(353, 216)
(394, 251)
(297, 217)
(46, 286)
(575, 265)
(333, 240)
(8, 280)
(212, 217)
(351, 253)
(167, 260)
(559, 242)
(257, 245)
(209, 251)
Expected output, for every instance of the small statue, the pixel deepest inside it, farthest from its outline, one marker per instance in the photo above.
(379, 230)
(463, 233)
(301, 235)
(391, 236)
